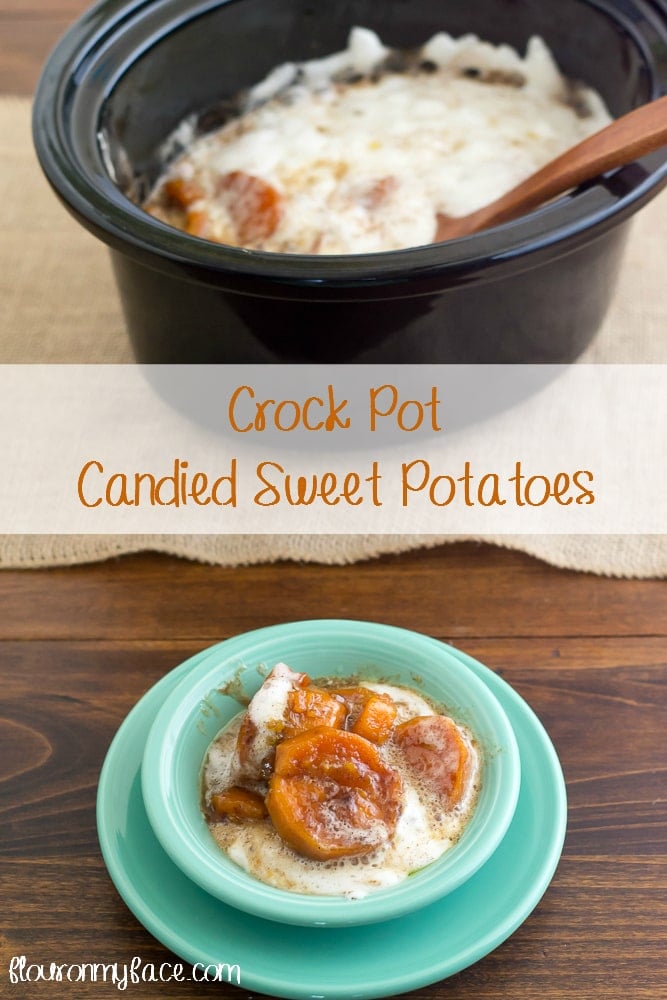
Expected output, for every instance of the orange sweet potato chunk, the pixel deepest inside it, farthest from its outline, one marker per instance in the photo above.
(354, 698)
(369, 713)
(197, 224)
(310, 707)
(331, 795)
(376, 719)
(238, 804)
(256, 207)
(436, 751)
(182, 192)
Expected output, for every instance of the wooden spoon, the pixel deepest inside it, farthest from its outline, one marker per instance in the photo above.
(642, 131)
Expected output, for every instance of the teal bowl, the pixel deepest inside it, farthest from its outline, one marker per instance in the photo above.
(215, 690)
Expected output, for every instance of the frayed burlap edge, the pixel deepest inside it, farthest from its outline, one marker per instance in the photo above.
(623, 556)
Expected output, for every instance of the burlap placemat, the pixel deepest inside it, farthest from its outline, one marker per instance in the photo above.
(59, 306)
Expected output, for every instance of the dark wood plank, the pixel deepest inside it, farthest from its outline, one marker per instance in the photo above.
(40, 10)
(25, 43)
(598, 932)
(28, 32)
(455, 591)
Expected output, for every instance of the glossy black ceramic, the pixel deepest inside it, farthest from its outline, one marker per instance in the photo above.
(531, 291)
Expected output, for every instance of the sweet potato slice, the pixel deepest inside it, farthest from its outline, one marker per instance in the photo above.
(436, 751)
(183, 192)
(376, 719)
(369, 713)
(264, 722)
(331, 795)
(255, 206)
(310, 707)
(197, 223)
(354, 698)
(238, 804)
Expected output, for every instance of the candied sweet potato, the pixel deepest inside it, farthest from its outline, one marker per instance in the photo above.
(197, 224)
(354, 698)
(437, 753)
(369, 713)
(331, 795)
(310, 707)
(238, 804)
(255, 206)
(376, 719)
(183, 192)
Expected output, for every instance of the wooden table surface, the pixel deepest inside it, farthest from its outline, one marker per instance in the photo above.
(79, 646)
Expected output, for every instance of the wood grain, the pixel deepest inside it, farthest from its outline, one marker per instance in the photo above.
(455, 591)
(598, 932)
(79, 646)
(28, 32)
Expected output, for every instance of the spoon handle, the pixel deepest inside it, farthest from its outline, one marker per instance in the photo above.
(635, 134)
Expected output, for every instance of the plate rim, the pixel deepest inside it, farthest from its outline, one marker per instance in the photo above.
(412, 979)
(194, 688)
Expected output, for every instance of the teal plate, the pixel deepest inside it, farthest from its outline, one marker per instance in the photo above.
(334, 964)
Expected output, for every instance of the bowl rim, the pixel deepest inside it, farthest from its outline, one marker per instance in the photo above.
(77, 172)
(204, 863)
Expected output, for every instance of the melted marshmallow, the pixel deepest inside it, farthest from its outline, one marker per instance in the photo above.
(368, 164)
(423, 832)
